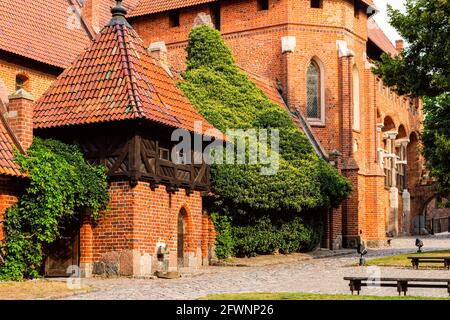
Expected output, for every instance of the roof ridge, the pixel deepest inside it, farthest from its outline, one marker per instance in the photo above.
(89, 32)
(134, 95)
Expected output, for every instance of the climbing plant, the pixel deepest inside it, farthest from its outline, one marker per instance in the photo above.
(61, 184)
(304, 182)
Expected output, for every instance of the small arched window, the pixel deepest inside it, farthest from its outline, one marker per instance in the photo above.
(313, 90)
(356, 100)
(21, 81)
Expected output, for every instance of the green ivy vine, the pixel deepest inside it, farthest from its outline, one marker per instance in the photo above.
(61, 184)
(256, 212)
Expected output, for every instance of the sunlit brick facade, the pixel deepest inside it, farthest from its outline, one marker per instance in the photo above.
(280, 43)
(317, 59)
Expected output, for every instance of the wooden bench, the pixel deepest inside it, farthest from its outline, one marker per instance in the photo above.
(415, 261)
(402, 284)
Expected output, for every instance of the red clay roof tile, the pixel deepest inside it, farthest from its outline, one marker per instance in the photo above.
(46, 32)
(153, 6)
(379, 38)
(145, 7)
(115, 79)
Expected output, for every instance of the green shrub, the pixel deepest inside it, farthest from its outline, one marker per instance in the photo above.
(265, 235)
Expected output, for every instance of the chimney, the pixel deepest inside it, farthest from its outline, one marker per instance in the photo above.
(20, 116)
(399, 45)
(158, 51)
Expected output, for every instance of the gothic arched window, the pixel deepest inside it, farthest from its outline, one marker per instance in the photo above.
(313, 90)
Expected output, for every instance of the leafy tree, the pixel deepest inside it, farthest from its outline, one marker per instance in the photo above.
(225, 96)
(436, 140)
(422, 69)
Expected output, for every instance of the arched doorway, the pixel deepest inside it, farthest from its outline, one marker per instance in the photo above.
(181, 237)
(436, 215)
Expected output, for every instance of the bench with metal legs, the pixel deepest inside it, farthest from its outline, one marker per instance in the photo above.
(415, 261)
(402, 284)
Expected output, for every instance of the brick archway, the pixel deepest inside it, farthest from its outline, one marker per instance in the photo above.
(185, 243)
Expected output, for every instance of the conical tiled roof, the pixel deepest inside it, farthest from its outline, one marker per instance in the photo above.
(115, 79)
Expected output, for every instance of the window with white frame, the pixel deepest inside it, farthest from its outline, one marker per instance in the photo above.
(401, 167)
(315, 93)
(388, 162)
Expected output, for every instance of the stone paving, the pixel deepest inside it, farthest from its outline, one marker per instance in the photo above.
(312, 276)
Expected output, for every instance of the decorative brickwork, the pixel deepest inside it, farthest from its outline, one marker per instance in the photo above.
(38, 81)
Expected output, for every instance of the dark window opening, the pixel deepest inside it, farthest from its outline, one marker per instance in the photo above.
(21, 81)
(174, 18)
(356, 8)
(164, 154)
(316, 4)
(215, 10)
(263, 5)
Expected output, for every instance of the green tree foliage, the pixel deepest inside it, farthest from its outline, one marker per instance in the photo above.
(225, 96)
(423, 70)
(61, 184)
(436, 139)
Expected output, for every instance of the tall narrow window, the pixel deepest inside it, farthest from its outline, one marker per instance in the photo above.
(356, 8)
(215, 9)
(263, 5)
(313, 87)
(316, 4)
(356, 100)
(401, 167)
(174, 18)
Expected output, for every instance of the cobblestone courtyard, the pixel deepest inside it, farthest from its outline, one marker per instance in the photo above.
(311, 276)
